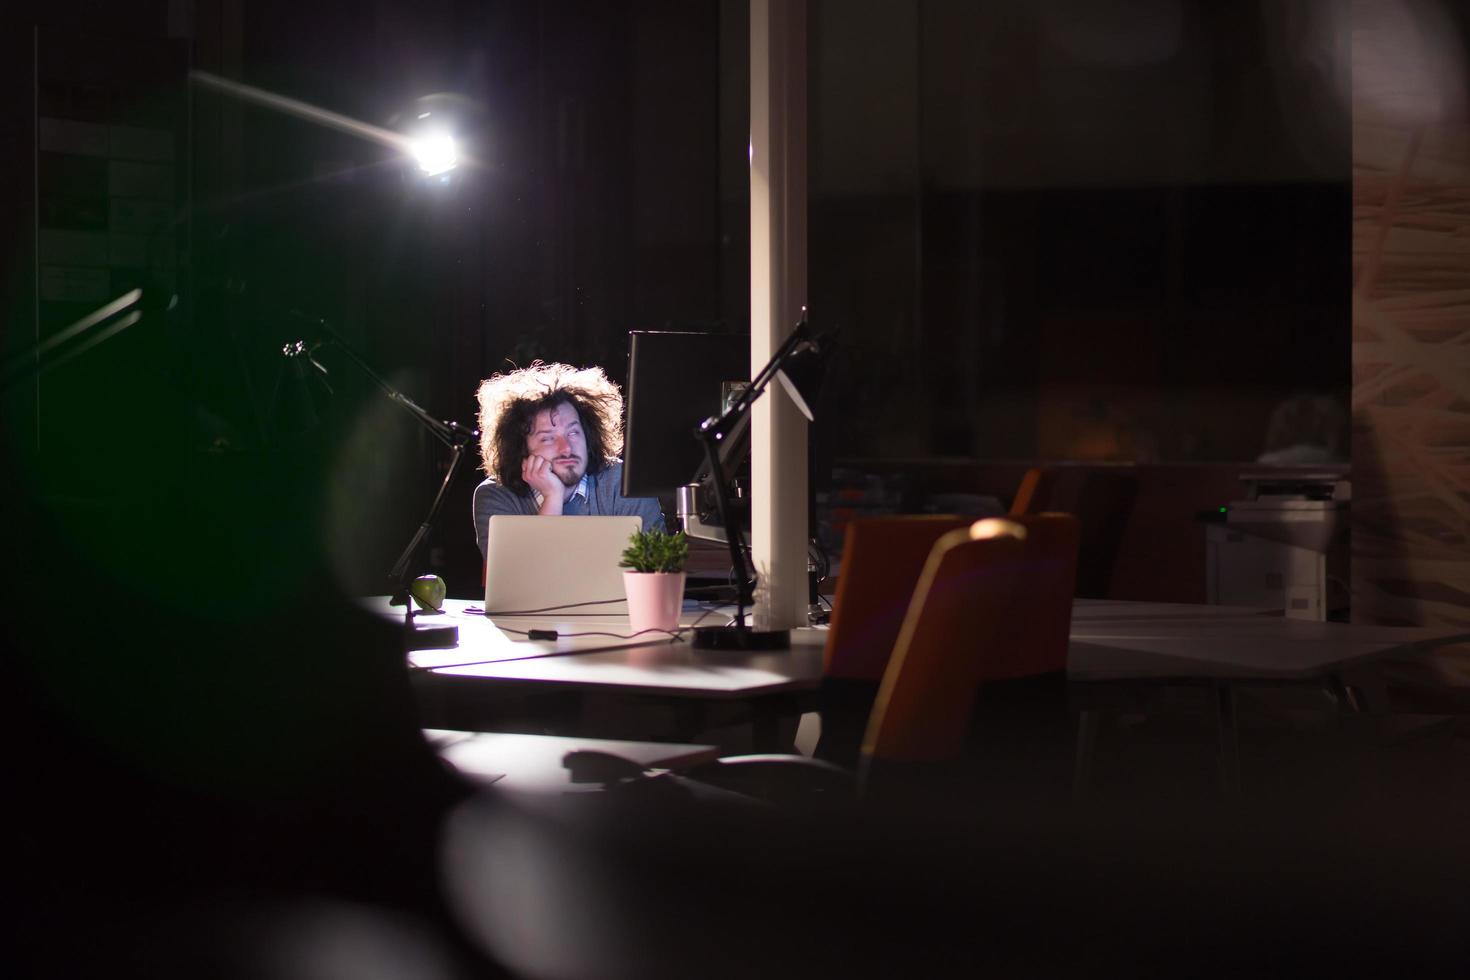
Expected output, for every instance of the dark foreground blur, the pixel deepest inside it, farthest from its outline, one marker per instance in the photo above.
(657, 889)
(214, 768)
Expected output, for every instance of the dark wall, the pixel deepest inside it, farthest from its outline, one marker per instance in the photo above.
(1069, 230)
(1047, 230)
(593, 206)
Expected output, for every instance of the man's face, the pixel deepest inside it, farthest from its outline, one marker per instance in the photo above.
(556, 436)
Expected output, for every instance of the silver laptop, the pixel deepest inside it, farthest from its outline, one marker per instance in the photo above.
(550, 566)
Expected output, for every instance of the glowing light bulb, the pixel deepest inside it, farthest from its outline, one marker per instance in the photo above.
(436, 153)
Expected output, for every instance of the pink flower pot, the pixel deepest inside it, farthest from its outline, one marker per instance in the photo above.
(654, 600)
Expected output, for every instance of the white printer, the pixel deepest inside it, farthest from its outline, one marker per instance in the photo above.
(1285, 545)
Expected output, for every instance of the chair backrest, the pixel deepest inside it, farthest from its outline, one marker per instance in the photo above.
(994, 602)
(1033, 495)
(881, 561)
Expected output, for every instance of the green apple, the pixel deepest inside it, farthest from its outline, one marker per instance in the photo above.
(428, 592)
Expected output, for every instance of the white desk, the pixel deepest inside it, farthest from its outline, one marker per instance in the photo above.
(1124, 641)
(1112, 642)
(491, 651)
(1103, 609)
(1122, 644)
(760, 689)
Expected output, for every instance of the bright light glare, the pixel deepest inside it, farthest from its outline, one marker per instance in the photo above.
(436, 154)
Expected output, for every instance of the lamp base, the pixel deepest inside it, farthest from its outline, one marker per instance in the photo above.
(739, 638)
(430, 637)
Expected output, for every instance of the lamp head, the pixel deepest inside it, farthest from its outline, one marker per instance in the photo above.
(440, 132)
(435, 152)
(802, 372)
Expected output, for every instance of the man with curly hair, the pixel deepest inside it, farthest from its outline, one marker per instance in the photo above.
(550, 435)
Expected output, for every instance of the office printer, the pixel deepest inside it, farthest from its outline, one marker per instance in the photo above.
(1283, 545)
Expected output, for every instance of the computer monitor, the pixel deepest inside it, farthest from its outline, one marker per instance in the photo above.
(676, 380)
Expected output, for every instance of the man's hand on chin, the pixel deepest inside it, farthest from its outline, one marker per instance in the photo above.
(539, 475)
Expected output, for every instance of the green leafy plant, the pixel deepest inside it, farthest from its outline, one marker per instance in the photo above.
(655, 551)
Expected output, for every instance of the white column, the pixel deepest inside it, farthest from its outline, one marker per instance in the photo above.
(777, 293)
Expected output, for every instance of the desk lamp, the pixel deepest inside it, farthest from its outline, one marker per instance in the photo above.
(458, 438)
(798, 363)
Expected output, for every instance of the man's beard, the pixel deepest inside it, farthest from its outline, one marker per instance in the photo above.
(570, 477)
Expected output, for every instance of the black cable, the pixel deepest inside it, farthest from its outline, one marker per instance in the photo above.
(510, 660)
(554, 635)
(546, 609)
(674, 637)
(477, 611)
(817, 553)
(699, 620)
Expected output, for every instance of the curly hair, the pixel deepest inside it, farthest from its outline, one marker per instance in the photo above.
(510, 402)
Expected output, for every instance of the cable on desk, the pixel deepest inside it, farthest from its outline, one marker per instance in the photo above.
(546, 609)
(674, 637)
(702, 618)
(554, 635)
(510, 660)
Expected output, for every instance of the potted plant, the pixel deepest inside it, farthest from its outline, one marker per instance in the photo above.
(654, 579)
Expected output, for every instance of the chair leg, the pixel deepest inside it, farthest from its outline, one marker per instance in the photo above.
(1229, 748)
(1344, 695)
(1361, 730)
(1088, 723)
(773, 725)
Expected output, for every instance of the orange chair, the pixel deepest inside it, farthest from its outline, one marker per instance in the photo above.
(882, 558)
(1033, 495)
(994, 603)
